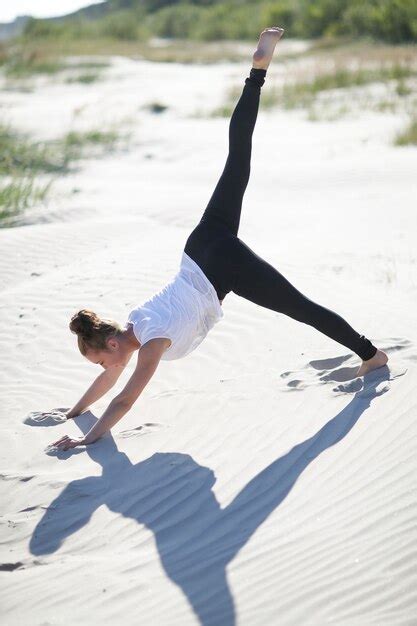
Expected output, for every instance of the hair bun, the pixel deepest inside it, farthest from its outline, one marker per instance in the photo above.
(84, 322)
(93, 331)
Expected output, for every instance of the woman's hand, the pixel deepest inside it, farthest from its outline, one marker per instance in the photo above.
(65, 443)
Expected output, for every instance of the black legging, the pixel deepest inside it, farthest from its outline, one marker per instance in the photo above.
(230, 264)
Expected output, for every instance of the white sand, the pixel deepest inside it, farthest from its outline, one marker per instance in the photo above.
(266, 490)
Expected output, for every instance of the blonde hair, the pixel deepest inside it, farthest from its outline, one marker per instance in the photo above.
(92, 331)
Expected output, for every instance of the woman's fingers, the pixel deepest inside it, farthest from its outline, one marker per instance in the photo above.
(67, 442)
(58, 441)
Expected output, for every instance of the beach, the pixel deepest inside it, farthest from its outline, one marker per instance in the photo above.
(253, 482)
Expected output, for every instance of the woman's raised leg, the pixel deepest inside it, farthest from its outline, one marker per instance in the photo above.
(225, 204)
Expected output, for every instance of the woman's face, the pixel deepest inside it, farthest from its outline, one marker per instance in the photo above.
(106, 358)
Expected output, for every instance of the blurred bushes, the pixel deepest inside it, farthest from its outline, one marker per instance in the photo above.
(175, 21)
(123, 25)
(393, 21)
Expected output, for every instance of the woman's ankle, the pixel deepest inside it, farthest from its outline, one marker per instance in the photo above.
(257, 76)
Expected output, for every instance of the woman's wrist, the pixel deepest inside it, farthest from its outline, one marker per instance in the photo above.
(89, 439)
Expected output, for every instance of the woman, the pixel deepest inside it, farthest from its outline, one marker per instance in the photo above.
(214, 262)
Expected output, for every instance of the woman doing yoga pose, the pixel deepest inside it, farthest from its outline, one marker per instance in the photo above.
(214, 262)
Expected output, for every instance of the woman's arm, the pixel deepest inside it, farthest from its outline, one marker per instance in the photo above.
(105, 381)
(148, 360)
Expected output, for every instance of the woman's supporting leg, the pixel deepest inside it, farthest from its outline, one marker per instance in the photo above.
(258, 281)
(225, 204)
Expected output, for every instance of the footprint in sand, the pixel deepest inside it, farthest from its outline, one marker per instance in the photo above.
(366, 386)
(46, 418)
(10, 567)
(22, 479)
(297, 384)
(144, 429)
(342, 369)
(166, 394)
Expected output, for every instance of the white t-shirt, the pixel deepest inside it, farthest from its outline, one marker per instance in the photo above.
(183, 311)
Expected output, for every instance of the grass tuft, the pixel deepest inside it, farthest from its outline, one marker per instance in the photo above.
(21, 156)
(21, 159)
(408, 137)
(224, 110)
(85, 79)
(302, 94)
(22, 63)
(74, 142)
(19, 194)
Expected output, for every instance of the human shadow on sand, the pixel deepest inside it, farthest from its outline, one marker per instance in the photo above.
(172, 496)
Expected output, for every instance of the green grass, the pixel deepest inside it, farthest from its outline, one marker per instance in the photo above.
(32, 57)
(402, 89)
(23, 69)
(85, 79)
(88, 65)
(21, 156)
(386, 106)
(302, 94)
(19, 194)
(24, 61)
(224, 110)
(75, 141)
(45, 54)
(408, 137)
(22, 160)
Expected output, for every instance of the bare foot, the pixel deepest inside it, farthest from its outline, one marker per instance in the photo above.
(378, 360)
(266, 46)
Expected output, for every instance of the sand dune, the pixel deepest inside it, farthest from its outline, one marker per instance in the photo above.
(254, 482)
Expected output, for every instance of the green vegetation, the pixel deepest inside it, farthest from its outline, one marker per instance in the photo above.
(22, 159)
(23, 61)
(174, 51)
(198, 31)
(224, 110)
(20, 156)
(19, 194)
(409, 135)
(303, 93)
(226, 20)
(73, 142)
(391, 21)
(122, 25)
(402, 89)
(85, 79)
